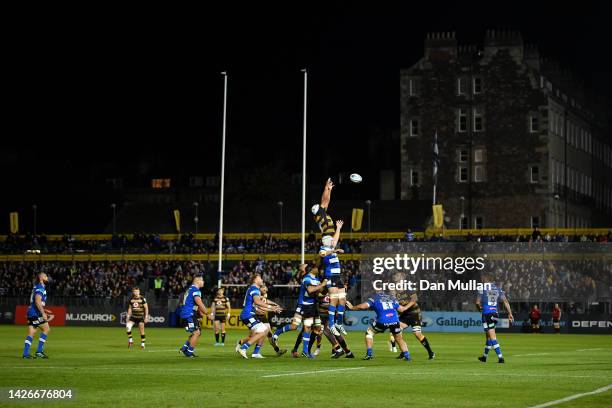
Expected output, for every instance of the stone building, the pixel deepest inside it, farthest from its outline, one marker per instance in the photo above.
(521, 144)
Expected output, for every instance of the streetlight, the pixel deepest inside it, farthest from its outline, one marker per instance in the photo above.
(114, 207)
(369, 203)
(461, 215)
(34, 208)
(196, 219)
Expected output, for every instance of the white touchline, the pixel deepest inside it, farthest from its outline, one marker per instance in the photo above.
(573, 397)
(311, 372)
(593, 349)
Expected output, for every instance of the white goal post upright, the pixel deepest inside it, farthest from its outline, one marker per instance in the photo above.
(220, 267)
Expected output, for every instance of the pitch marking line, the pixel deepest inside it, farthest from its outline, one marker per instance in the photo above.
(311, 372)
(573, 397)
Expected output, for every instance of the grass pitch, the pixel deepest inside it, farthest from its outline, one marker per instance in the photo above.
(96, 364)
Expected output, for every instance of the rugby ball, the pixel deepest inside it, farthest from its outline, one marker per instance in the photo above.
(356, 178)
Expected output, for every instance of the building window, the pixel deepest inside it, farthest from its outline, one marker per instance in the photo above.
(534, 124)
(535, 221)
(535, 174)
(463, 174)
(414, 87)
(462, 120)
(160, 183)
(414, 178)
(463, 155)
(196, 181)
(461, 86)
(115, 183)
(478, 222)
(414, 127)
(479, 174)
(478, 155)
(464, 222)
(213, 181)
(477, 85)
(478, 120)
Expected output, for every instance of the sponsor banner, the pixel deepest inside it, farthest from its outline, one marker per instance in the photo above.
(111, 317)
(57, 317)
(7, 314)
(234, 321)
(574, 323)
(432, 321)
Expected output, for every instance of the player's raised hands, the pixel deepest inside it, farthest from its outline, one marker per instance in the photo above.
(339, 223)
(349, 305)
(340, 250)
(329, 184)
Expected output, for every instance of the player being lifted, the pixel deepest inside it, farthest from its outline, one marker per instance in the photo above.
(412, 317)
(329, 260)
(221, 310)
(387, 309)
(192, 309)
(262, 314)
(486, 302)
(37, 317)
(252, 299)
(137, 313)
(306, 310)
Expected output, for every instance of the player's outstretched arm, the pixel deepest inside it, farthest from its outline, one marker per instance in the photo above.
(260, 301)
(361, 306)
(336, 238)
(326, 196)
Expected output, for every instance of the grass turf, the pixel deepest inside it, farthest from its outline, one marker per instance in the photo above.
(96, 364)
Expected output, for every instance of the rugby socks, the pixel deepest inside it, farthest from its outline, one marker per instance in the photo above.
(340, 319)
(487, 348)
(306, 341)
(130, 339)
(190, 351)
(142, 340)
(319, 338)
(245, 346)
(276, 348)
(256, 349)
(216, 337)
(27, 345)
(311, 344)
(343, 344)
(298, 340)
(41, 342)
(185, 346)
(393, 343)
(425, 344)
(496, 347)
(223, 338)
(406, 355)
(369, 352)
(282, 330)
(332, 315)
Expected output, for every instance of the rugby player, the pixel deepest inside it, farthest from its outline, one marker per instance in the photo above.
(137, 313)
(412, 317)
(486, 302)
(305, 312)
(252, 299)
(192, 308)
(330, 261)
(37, 317)
(221, 313)
(387, 309)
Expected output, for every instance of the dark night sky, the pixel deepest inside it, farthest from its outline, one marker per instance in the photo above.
(109, 87)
